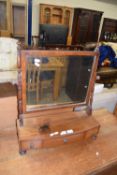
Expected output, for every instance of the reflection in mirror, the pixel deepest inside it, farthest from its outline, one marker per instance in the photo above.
(57, 80)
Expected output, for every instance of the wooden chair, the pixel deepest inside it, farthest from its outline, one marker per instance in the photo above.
(46, 82)
(32, 82)
(36, 81)
(65, 62)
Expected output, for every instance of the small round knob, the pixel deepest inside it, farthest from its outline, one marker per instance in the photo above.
(65, 140)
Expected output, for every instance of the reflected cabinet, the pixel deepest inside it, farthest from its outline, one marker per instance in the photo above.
(109, 30)
(55, 22)
(53, 85)
(52, 14)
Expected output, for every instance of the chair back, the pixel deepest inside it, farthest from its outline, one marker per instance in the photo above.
(33, 73)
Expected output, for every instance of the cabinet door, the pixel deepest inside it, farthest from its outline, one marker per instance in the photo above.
(52, 14)
(19, 26)
(95, 22)
(80, 26)
(45, 14)
(109, 30)
(5, 17)
(85, 26)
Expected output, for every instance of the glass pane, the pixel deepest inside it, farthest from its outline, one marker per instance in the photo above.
(47, 15)
(57, 80)
(3, 17)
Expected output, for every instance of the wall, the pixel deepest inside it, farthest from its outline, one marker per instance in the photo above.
(20, 1)
(108, 7)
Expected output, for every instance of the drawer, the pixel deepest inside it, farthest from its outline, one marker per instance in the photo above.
(31, 144)
(92, 132)
(59, 132)
(53, 142)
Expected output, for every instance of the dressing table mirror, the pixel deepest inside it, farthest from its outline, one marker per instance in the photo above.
(55, 90)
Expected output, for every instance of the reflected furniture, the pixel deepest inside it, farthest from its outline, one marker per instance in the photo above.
(56, 22)
(32, 82)
(109, 30)
(107, 76)
(64, 47)
(52, 14)
(85, 25)
(54, 65)
(68, 117)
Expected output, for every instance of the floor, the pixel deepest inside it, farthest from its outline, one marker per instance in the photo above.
(95, 157)
(107, 98)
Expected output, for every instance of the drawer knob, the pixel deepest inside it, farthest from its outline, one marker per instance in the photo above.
(65, 140)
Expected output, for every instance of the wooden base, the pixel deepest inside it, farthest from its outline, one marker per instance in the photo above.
(43, 132)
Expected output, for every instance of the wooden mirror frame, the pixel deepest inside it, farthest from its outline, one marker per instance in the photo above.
(22, 79)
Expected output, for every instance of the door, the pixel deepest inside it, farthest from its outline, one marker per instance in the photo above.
(19, 21)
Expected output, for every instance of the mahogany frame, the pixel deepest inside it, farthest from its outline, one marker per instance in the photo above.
(22, 80)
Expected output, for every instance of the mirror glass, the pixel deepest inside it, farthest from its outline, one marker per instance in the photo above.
(57, 80)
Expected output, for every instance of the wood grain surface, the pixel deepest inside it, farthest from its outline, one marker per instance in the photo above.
(85, 158)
